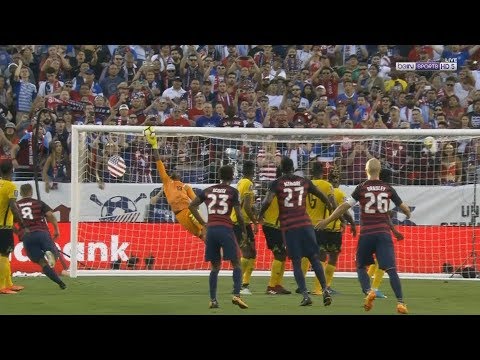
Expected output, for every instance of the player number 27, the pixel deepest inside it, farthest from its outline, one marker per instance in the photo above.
(381, 201)
(221, 201)
(27, 213)
(289, 191)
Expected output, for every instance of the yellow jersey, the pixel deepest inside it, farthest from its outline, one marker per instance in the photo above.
(244, 187)
(316, 208)
(270, 216)
(340, 197)
(8, 190)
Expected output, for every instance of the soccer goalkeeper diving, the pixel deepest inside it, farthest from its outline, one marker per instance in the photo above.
(178, 194)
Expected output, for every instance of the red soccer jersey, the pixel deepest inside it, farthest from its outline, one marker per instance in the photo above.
(291, 191)
(374, 197)
(220, 200)
(33, 214)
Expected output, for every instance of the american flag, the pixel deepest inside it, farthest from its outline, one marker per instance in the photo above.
(116, 166)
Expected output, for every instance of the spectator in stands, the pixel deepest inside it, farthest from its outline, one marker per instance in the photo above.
(355, 156)
(176, 119)
(24, 91)
(57, 167)
(424, 168)
(450, 166)
(474, 115)
(175, 92)
(453, 111)
(110, 82)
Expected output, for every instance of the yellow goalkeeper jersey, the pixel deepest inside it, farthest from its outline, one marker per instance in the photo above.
(316, 208)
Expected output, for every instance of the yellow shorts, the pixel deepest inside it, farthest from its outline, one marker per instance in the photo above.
(189, 222)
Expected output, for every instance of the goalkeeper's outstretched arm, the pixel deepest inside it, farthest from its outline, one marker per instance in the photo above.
(153, 141)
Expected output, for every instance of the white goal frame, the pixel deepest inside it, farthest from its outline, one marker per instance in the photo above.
(79, 130)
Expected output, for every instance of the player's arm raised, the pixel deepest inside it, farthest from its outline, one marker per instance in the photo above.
(151, 137)
(194, 210)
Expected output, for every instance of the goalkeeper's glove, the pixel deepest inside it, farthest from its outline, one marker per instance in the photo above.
(149, 133)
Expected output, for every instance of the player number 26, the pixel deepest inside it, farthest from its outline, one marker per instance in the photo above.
(377, 203)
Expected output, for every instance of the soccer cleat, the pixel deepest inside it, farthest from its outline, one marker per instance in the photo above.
(6, 291)
(402, 308)
(332, 291)
(237, 300)
(327, 298)
(306, 301)
(213, 304)
(50, 258)
(380, 295)
(270, 291)
(62, 285)
(279, 289)
(368, 304)
(16, 288)
(298, 291)
(245, 290)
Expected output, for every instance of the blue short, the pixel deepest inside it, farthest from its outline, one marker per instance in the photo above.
(301, 242)
(221, 237)
(379, 244)
(36, 243)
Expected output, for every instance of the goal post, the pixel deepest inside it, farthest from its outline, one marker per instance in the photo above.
(127, 228)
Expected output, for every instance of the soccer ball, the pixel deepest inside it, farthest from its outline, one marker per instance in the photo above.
(428, 142)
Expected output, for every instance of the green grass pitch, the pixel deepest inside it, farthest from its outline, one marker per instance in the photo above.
(189, 296)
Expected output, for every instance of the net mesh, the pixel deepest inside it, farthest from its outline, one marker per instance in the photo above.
(125, 221)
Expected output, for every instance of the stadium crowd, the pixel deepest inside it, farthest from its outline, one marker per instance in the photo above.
(319, 86)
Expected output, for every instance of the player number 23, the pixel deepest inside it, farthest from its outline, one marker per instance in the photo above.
(221, 201)
(381, 201)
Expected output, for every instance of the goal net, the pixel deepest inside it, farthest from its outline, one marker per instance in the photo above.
(121, 222)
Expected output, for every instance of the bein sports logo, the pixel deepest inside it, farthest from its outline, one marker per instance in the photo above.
(118, 208)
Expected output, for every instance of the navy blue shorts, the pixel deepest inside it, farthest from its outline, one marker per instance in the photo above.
(301, 242)
(273, 237)
(379, 244)
(250, 243)
(221, 237)
(36, 243)
(329, 241)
